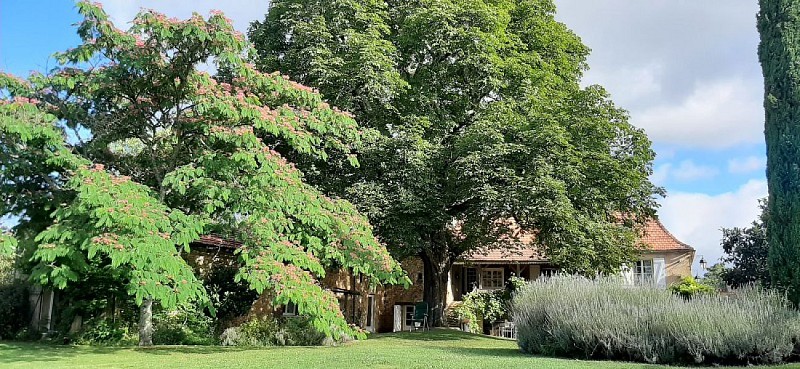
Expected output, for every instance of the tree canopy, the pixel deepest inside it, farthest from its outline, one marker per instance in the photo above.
(476, 117)
(747, 252)
(127, 151)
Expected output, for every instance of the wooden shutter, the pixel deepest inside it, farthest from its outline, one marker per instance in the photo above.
(398, 318)
(660, 272)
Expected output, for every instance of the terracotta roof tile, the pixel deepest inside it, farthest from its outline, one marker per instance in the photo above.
(656, 238)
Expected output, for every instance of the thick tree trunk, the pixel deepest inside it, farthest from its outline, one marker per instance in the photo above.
(146, 323)
(437, 269)
(363, 302)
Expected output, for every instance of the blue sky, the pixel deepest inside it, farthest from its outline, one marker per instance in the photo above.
(686, 70)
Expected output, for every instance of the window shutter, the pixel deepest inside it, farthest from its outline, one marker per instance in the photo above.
(398, 318)
(660, 272)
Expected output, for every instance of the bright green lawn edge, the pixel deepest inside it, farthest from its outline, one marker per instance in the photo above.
(436, 349)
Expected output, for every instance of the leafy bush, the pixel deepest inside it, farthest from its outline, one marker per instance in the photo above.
(577, 317)
(103, 332)
(482, 306)
(14, 307)
(187, 325)
(688, 287)
(295, 331)
(298, 331)
(487, 306)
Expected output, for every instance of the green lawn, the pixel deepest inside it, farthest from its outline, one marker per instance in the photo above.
(436, 349)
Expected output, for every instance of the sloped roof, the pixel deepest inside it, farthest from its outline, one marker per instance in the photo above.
(656, 237)
(212, 240)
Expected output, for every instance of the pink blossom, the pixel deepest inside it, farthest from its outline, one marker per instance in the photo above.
(25, 100)
(139, 41)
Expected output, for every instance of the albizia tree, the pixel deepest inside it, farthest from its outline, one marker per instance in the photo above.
(161, 152)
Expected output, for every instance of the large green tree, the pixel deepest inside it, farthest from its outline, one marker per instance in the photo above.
(160, 152)
(747, 252)
(779, 53)
(476, 121)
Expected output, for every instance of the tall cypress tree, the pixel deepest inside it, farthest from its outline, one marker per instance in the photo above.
(779, 53)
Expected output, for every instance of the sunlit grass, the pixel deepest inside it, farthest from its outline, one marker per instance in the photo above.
(435, 349)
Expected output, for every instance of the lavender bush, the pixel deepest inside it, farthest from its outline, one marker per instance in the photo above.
(578, 317)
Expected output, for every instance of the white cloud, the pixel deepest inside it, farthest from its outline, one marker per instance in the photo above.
(687, 71)
(660, 174)
(716, 115)
(747, 165)
(689, 171)
(241, 12)
(696, 218)
(629, 84)
(686, 171)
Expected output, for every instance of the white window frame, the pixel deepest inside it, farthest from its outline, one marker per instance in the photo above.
(408, 315)
(468, 287)
(502, 280)
(644, 272)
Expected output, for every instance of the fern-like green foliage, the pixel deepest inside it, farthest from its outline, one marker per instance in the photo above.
(162, 152)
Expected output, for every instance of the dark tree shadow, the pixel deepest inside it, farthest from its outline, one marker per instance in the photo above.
(14, 352)
(437, 334)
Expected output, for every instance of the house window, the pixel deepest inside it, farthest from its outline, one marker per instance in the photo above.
(409, 315)
(290, 309)
(470, 280)
(643, 272)
(492, 278)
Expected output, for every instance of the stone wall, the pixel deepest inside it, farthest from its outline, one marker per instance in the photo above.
(678, 263)
(347, 288)
(385, 296)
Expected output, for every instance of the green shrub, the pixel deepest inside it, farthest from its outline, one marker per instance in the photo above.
(487, 306)
(254, 333)
(482, 306)
(187, 325)
(688, 287)
(576, 317)
(295, 331)
(298, 331)
(14, 308)
(103, 332)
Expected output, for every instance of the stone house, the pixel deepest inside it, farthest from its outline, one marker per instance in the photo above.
(390, 308)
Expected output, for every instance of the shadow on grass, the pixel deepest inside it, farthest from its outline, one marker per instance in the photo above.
(11, 352)
(437, 334)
